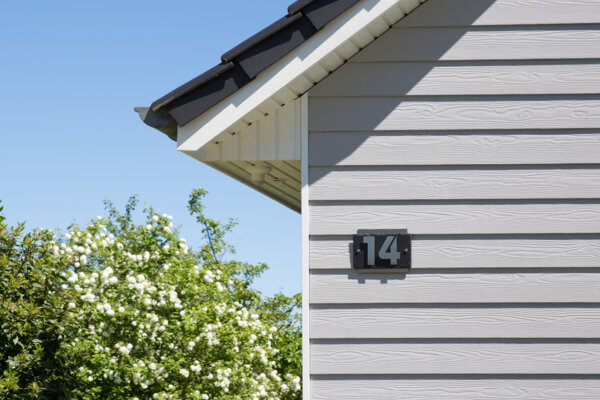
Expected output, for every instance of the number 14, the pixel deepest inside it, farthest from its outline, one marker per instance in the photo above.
(388, 251)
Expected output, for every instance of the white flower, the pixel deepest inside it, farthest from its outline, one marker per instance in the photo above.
(88, 297)
(191, 345)
(73, 277)
(196, 368)
(72, 305)
(184, 372)
(155, 218)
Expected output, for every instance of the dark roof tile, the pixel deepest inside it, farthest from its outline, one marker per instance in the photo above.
(244, 62)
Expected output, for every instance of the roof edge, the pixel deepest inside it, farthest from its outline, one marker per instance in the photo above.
(368, 17)
(245, 61)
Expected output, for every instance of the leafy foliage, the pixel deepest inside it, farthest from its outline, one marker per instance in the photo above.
(32, 317)
(119, 310)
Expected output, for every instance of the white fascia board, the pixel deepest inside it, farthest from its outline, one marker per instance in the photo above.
(204, 128)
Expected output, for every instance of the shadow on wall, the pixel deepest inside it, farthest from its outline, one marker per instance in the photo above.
(407, 41)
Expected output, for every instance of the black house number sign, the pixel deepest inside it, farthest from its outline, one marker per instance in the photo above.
(381, 249)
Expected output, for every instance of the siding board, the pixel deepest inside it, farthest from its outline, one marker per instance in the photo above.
(473, 78)
(475, 125)
(455, 148)
(398, 321)
(452, 183)
(472, 43)
(502, 12)
(454, 358)
(456, 388)
(463, 113)
(350, 287)
(483, 217)
(474, 252)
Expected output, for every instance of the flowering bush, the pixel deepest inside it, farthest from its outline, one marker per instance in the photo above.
(148, 317)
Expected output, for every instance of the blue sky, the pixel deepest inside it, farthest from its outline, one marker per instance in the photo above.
(71, 73)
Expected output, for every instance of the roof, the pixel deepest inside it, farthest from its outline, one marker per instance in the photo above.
(250, 112)
(241, 64)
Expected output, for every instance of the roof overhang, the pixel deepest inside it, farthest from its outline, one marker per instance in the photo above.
(262, 79)
(295, 73)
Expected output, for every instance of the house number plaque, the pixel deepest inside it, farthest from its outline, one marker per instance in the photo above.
(381, 249)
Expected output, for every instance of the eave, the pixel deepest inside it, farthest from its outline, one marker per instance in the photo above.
(256, 80)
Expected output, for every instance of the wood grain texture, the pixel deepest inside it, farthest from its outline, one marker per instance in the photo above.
(474, 78)
(483, 217)
(523, 321)
(461, 113)
(472, 43)
(451, 148)
(473, 252)
(505, 286)
(375, 183)
(503, 12)
(454, 358)
(458, 388)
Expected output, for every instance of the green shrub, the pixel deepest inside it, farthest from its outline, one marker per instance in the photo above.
(117, 310)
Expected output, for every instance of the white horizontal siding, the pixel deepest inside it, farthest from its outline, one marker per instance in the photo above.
(437, 252)
(483, 217)
(513, 357)
(461, 113)
(396, 183)
(453, 321)
(503, 12)
(475, 125)
(462, 78)
(455, 148)
(444, 286)
(455, 388)
(484, 43)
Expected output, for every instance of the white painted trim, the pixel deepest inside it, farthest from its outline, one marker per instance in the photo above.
(305, 249)
(375, 16)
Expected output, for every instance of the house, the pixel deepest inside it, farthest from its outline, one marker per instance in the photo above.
(474, 125)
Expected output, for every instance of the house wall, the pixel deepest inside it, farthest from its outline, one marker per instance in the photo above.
(474, 124)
